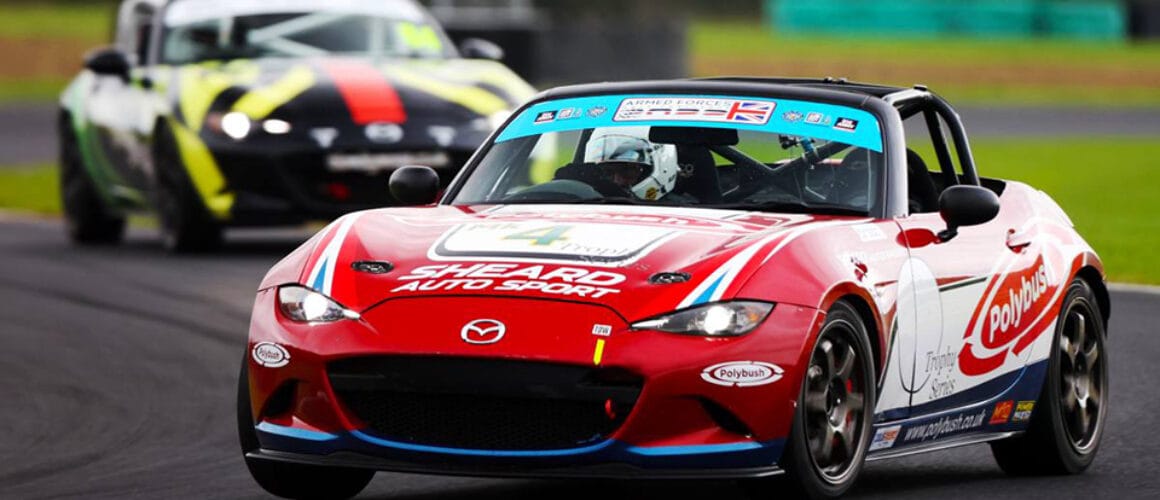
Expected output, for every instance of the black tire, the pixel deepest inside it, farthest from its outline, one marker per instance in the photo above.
(286, 480)
(87, 219)
(186, 225)
(1068, 419)
(811, 471)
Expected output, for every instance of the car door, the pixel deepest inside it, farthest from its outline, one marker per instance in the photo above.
(968, 290)
(119, 110)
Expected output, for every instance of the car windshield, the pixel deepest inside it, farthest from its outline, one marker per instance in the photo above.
(706, 151)
(200, 30)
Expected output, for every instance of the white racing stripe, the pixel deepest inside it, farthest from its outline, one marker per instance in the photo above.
(321, 278)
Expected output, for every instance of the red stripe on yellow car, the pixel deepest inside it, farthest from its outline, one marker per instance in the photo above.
(369, 96)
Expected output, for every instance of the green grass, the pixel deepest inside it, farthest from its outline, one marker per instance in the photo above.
(31, 90)
(50, 20)
(1000, 70)
(30, 189)
(754, 40)
(1108, 186)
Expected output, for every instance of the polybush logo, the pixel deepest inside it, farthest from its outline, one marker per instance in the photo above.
(1011, 319)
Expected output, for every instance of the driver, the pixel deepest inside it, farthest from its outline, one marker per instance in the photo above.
(628, 159)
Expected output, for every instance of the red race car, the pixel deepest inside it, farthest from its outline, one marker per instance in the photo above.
(732, 278)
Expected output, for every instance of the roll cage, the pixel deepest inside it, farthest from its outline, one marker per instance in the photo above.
(891, 105)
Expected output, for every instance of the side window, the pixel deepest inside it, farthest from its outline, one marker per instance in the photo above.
(931, 160)
(135, 30)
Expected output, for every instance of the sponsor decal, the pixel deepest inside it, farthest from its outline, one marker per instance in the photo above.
(818, 119)
(384, 133)
(846, 124)
(1008, 321)
(372, 163)
(792, 116)
(945, 426)
(696, 109)
(742, 374)
(597, 111)
(564, 281)
(589, 244)
(483, 332)
(325, 137)
(940, 368)
(546, 117)
(884, 438)
(569, 113)
(602, 330)
(1023, 411)
(1002, 412)
(869, 232)
(270, 355)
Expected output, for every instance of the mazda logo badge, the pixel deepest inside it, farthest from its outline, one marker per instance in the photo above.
(483, 331)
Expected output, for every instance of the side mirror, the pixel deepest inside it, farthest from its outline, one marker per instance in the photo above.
(108, 62)
(965, 205)
(478, 48)
(415, 185)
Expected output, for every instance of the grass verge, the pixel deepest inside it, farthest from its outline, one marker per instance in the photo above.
(1107, 186)
(34, 188)
(90, 21)
(1000, 70)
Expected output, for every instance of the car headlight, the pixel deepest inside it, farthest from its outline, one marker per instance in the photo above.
(725, 319)
(238, 126)
(304, 305)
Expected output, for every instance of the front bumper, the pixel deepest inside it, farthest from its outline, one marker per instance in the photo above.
(614, 460)
(678, 426)
(292, 186)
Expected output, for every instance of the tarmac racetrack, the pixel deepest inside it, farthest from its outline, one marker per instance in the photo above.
(118, 370)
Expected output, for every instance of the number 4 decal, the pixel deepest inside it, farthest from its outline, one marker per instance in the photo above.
(543, 236)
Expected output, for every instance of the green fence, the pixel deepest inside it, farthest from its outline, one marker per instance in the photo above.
(1088, 19)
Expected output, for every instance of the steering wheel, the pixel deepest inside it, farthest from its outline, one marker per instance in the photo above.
(557, 190)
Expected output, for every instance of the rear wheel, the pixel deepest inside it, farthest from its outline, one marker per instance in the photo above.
(827, 444)
(87, 219)
(306, 482)
(186, 225)
(1068, 419)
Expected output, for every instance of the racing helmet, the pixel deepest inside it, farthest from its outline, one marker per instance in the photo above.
(626, 156)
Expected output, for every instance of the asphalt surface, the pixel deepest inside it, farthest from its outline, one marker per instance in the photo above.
(118, 369)
(27, 130)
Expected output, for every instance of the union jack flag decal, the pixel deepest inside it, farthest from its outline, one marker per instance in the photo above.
(751, 112)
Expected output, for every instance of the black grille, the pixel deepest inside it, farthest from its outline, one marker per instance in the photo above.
(485, 405)
(304, 181)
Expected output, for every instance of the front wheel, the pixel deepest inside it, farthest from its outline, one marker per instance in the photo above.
(87, 219)
(826, 448)
(286, 480)
(1068, 419)
(186, 225)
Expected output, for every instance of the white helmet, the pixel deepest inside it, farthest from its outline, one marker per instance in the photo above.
(655, 165)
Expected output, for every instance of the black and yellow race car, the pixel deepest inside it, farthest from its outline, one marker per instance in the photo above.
(221, 113)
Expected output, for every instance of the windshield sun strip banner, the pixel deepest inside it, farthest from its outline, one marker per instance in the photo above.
(776, 116)
(183, 12)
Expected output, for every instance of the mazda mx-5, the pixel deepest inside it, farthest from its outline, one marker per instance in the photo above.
(734, 278)
(226, 113)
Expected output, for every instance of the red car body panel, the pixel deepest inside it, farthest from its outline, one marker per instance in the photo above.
(803, 264)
